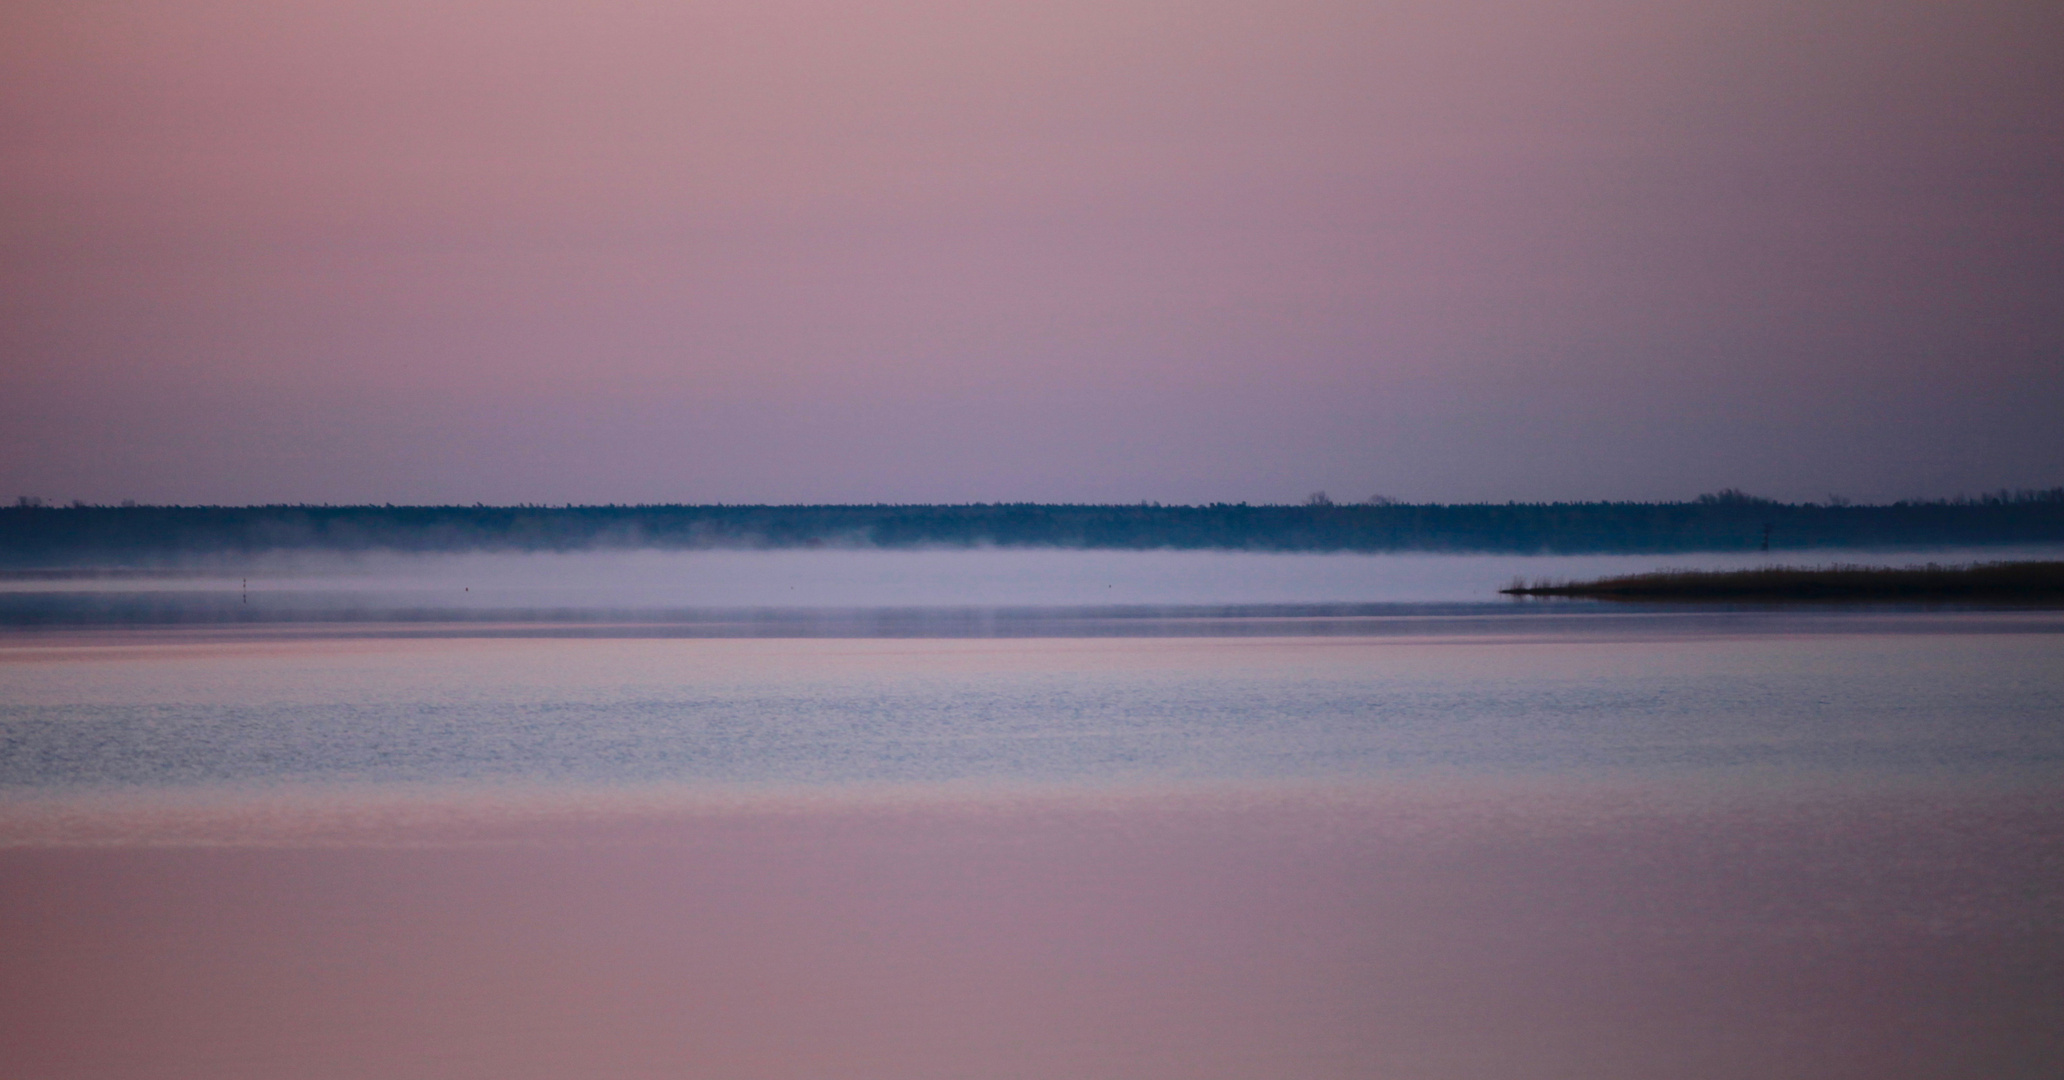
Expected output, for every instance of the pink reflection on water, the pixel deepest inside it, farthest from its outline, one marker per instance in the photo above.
(1489, 930)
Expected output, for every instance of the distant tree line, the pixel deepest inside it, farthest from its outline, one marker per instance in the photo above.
(39, 535)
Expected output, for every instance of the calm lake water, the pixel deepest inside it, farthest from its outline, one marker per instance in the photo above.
(957, 814)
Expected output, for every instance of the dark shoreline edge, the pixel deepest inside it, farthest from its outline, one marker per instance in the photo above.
(1998, 581)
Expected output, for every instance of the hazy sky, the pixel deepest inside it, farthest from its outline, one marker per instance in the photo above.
(926, 250)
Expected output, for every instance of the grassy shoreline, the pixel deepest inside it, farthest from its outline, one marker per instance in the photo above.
(1980, 581)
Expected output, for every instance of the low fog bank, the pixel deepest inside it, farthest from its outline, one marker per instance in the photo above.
(663, 584)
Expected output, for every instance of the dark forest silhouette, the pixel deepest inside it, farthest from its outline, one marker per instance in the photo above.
(76, 535)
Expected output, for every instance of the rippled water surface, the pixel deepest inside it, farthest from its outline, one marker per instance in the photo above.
(1967, 695)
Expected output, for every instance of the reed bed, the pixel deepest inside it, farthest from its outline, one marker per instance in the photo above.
(1980, 581)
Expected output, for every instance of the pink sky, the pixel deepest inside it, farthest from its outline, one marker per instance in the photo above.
(823, 250)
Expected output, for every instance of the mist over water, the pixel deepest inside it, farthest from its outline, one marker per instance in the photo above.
(650, 581)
